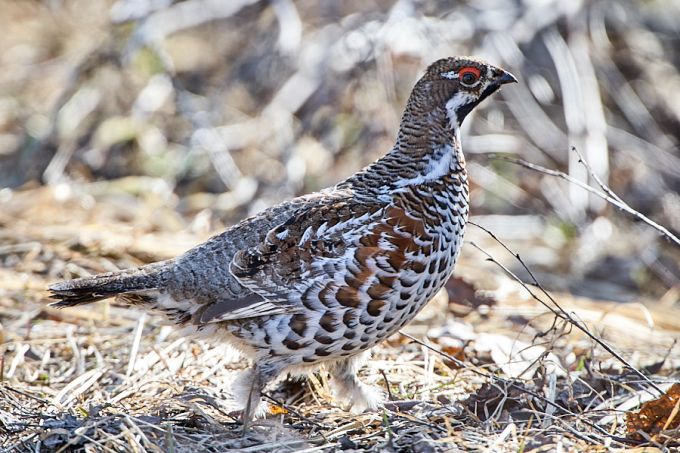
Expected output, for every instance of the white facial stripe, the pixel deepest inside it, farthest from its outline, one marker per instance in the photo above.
(451, 107)
(460, 98)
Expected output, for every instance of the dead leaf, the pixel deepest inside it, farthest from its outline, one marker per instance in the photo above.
(278, 410)
(456, 353)
(464, 297)
(657, 415)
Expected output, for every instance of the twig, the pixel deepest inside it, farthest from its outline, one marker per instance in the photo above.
(26, 394)
(510, 383)
(134, 349)
(559, 311)
(417, 420)
(387, 385)
(295, 412)
(606, 194)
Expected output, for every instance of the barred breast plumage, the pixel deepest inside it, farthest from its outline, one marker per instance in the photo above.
(325, 277)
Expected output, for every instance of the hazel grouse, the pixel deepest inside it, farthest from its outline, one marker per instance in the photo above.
(323, 278)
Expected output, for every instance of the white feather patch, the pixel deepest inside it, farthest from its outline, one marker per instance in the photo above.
(436, 168)
(306, 235)
(252, 311)
(459, 99)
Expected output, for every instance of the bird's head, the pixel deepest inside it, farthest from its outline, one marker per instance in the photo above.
(458, 84)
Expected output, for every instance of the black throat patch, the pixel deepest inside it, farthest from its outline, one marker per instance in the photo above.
(463, 110)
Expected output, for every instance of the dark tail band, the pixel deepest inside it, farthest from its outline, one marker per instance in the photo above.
(90, 289)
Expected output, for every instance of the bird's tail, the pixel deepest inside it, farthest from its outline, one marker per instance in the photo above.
(90, 289)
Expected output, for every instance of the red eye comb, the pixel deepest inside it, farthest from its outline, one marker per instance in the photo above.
(469, 69)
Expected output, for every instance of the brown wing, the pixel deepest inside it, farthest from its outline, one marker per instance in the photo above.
(346, 253)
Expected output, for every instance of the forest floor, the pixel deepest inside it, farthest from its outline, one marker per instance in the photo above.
(485, 367)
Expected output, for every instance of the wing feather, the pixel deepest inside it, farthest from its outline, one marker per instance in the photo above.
(314, 247)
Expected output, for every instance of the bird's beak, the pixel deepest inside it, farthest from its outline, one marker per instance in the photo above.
(505, 77)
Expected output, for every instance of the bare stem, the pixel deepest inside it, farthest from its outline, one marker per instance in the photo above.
(513, 384)
(605, 193)
(556, 308)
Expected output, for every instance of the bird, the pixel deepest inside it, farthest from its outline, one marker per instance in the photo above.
(319, 280)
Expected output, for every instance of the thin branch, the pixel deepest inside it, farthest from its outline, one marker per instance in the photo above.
(298, 414)
(521, 388)
(597, 179)
(559, 311)
(606, 194)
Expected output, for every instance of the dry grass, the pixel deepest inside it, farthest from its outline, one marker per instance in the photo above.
(104, 378)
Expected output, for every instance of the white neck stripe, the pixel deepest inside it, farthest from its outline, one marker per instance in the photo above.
(436, 168)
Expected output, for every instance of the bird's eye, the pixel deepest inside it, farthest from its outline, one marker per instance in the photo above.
(468, 76)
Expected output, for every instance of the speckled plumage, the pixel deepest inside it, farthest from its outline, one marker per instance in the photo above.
(326, 276)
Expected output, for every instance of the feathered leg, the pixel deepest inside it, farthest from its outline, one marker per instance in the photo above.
(248, 388)
(349, 390)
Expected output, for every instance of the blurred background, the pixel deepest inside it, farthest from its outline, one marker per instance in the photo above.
(186, 116)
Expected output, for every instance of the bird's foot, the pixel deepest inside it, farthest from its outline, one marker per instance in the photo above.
(349, 391)
(247, 393)
(360, 397)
